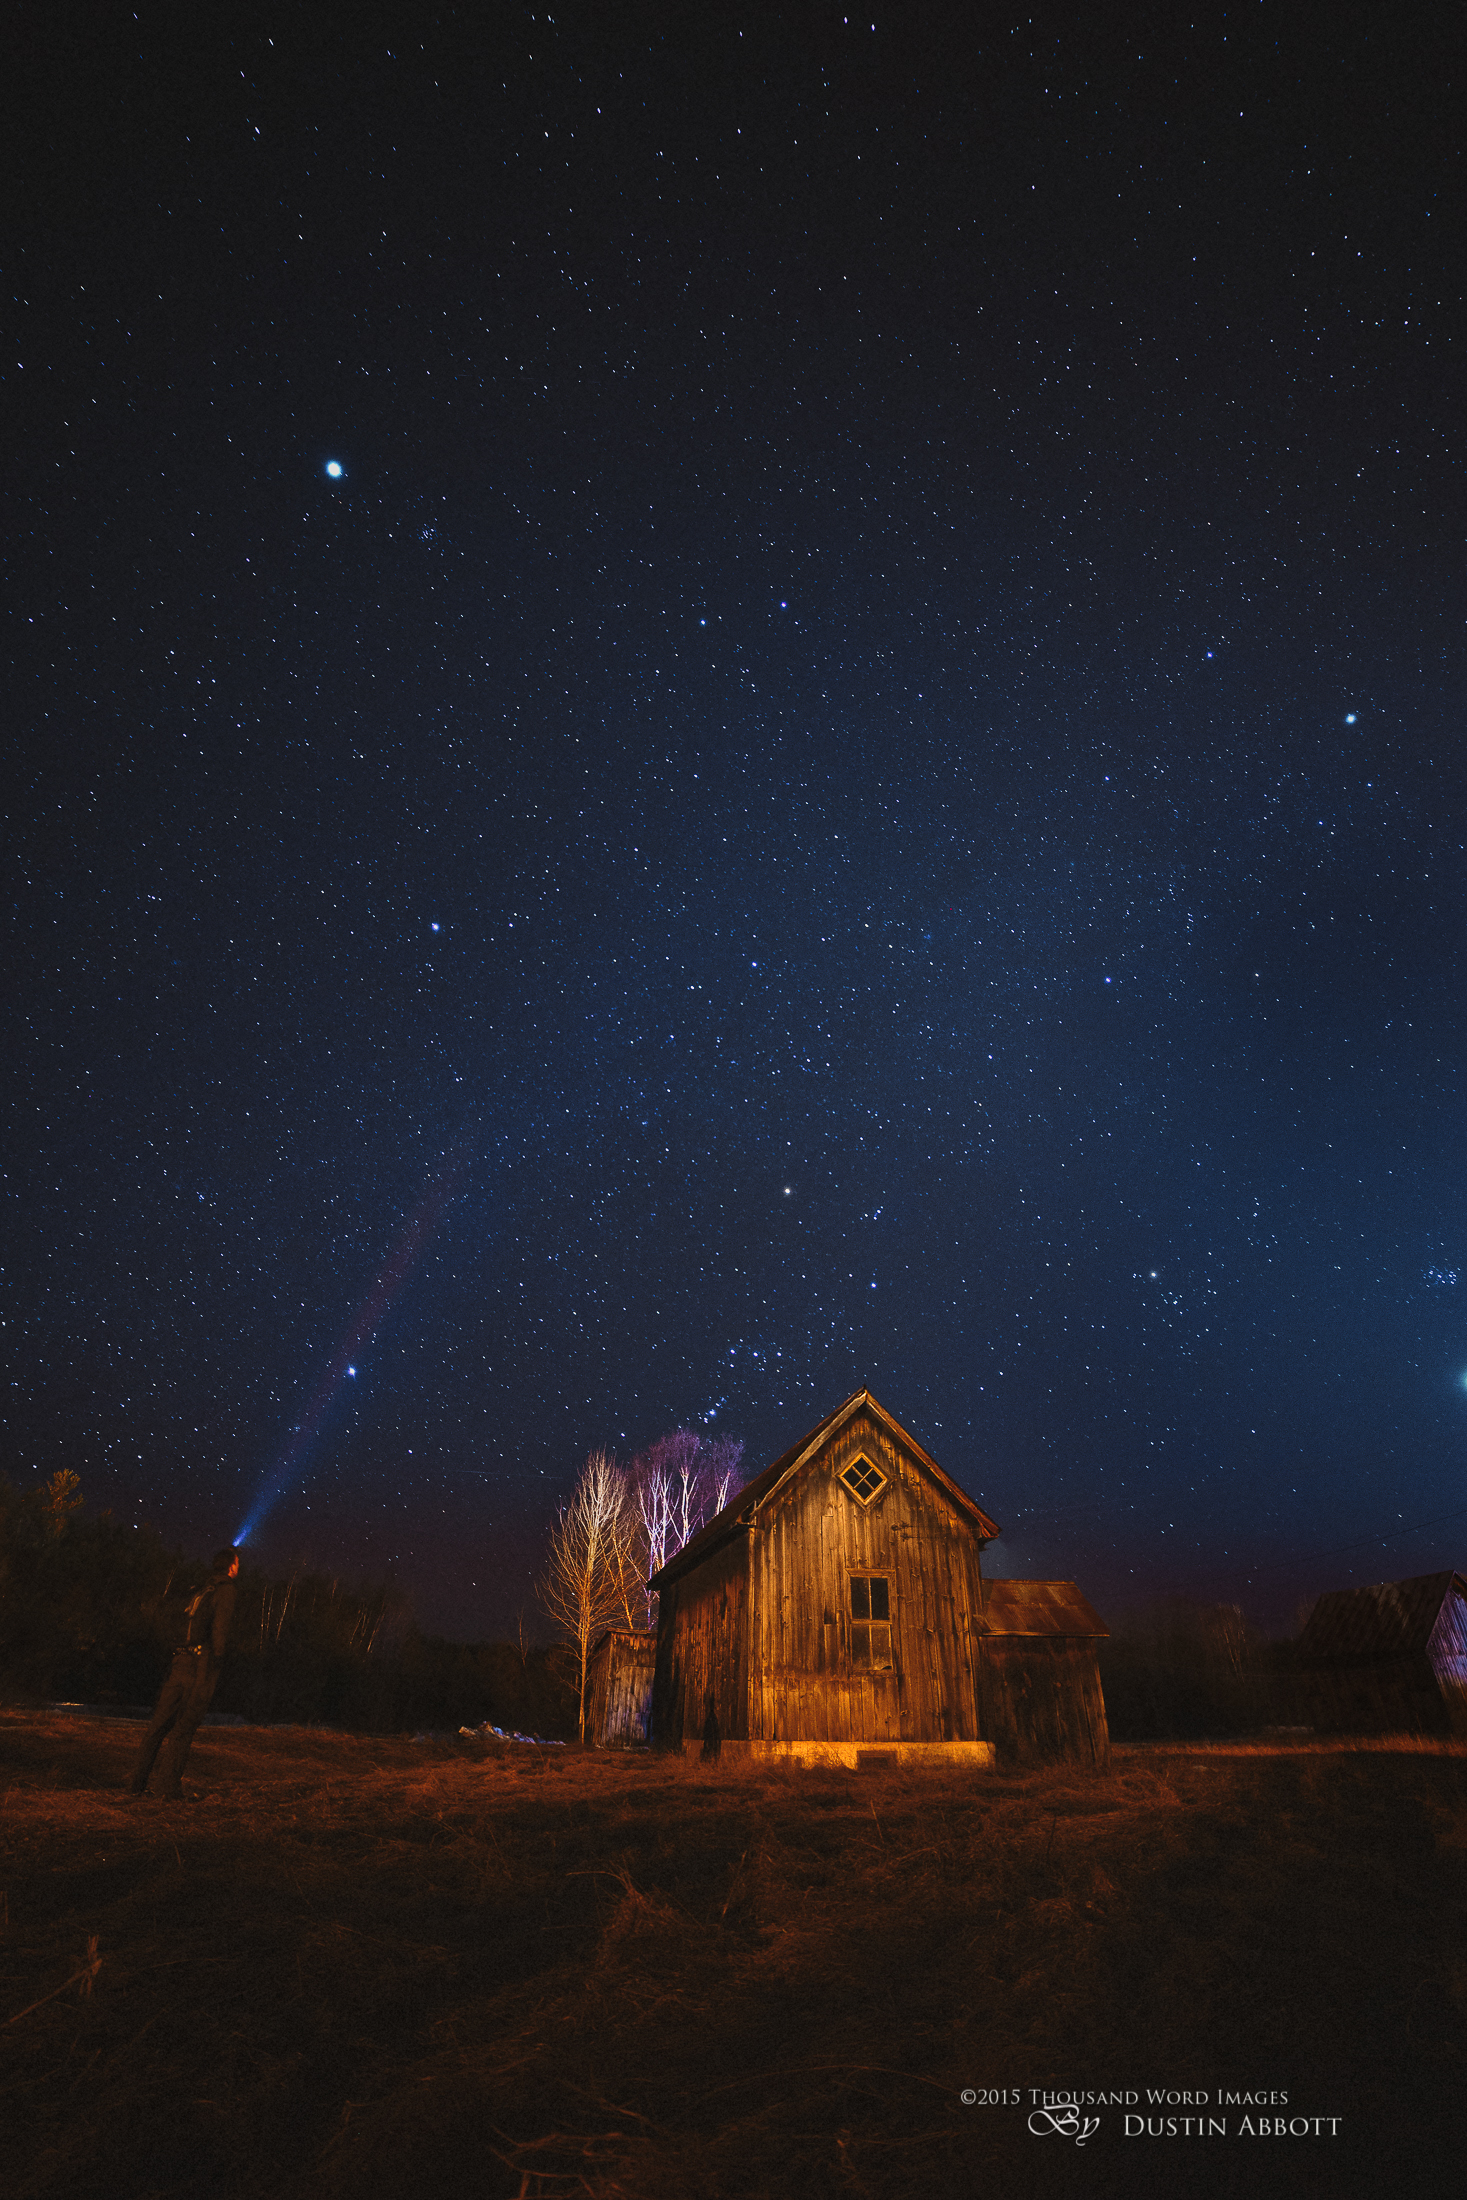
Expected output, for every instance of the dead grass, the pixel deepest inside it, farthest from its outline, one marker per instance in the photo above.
(358, 1967)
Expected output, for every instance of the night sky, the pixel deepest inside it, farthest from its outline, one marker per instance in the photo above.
(859, 779)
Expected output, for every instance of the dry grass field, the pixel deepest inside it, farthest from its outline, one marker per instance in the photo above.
(350, 1967)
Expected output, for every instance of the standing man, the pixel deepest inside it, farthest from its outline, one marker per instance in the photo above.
(192, 1679)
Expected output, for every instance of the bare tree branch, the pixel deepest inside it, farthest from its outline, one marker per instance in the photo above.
(680, 1482)
(591, 1569)
(653, 1488)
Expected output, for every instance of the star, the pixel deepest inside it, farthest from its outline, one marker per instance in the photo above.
(481, 691)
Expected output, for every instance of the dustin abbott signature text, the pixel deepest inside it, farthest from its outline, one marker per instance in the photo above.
(1157, 2112)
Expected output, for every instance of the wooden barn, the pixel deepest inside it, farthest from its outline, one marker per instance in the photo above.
(619, 1688)
(836, 1612)
(1389, 1659)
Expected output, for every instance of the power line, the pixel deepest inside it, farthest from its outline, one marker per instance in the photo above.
(1366, 1543)
(1276, 1565)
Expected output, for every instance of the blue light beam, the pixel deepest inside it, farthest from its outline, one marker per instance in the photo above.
(412, 1241)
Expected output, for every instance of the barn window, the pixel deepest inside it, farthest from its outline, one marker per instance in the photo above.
(863, 1480)
(871, 1621)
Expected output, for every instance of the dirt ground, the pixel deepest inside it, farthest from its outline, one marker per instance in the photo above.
(346, 1966)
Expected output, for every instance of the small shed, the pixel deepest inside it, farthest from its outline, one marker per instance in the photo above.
(619, 1688)
(1041, 1675)
(835, 1612)
(1390, 1658)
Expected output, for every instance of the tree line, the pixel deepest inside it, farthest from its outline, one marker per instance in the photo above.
(92, 1610)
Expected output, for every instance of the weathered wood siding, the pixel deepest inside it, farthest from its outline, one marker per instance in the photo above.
(806, 1544)
(1388, 1656)
(619, 1689)
(1042, 1698)
(1382, 1695)
(1447, 1651)
(703, 1653)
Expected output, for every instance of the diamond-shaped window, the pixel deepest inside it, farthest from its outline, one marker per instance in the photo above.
(863, 1480)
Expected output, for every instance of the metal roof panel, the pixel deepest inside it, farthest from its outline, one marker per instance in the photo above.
(1039, 1608)
(1387, 1619)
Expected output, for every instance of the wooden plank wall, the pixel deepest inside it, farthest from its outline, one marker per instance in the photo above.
(1387, 1695)
(702, 1651)
(1447, 1651)
(619, 1690)
(597, 1676)
(803, 1550)
(1042, 1698)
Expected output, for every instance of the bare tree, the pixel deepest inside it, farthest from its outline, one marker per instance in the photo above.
(681, 1482)
(652, 1486)
(721, 1458)
(1231, 1635)
(63, 1500)
(590, 1572)
(680, 1452)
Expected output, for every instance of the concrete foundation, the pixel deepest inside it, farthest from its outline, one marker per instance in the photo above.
(852, 1756)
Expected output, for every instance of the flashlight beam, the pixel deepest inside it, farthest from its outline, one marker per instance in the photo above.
(407, 1250)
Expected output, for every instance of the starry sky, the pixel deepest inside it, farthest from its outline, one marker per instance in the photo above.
(858, 779)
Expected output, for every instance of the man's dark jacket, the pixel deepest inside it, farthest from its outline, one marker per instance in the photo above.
(210, 1618)
(189, 1687)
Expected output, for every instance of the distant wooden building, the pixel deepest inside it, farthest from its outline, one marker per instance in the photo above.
(1041, 1692)
(619, 1688)
(836, 1611)
(1388, 1659)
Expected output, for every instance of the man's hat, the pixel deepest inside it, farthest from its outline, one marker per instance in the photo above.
(223, 1560)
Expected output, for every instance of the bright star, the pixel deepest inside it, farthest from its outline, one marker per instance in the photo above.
(1350, 717)
(351, 1371)
(333, 468)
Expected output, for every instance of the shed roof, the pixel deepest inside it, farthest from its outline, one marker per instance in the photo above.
(739, 1513)
(639, 1637)
(1389, 1618)
(1039, 1608)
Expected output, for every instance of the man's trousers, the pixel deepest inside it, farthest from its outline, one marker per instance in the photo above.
(185, 1697)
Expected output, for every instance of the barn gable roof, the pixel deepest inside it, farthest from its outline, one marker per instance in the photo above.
(738, 1515)
(1390, 1618)
(1039, 1608)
